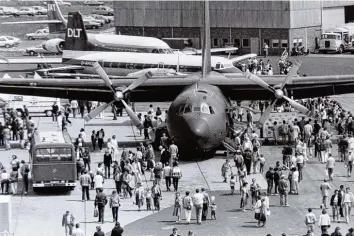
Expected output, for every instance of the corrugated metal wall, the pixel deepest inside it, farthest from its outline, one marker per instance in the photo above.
(333, 17)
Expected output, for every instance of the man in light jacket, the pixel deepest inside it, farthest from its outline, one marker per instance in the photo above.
(198, 203)
(68, 223)
(188, 206)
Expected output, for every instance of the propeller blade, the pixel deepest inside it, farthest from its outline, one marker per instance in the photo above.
(255, 79)
(298, 106)
(133, 116)
(138, 82)
(103, 75)
(293, 71)
(267, 112)
(97, 111)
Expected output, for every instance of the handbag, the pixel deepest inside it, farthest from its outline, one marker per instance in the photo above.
(95, 213)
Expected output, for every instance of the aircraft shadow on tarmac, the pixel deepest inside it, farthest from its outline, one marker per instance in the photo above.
(124, 123)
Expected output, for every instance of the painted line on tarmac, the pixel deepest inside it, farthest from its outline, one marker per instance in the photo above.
(203, 175)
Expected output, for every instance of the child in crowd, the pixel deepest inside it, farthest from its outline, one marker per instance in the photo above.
(232, 184)
(261, 164)
(148, 198)
(178, 206)
(213, 208)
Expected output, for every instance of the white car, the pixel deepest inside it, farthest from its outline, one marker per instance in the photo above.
(93, 3)
(90, 18)
(101, 17)
(39, 34)
(40, 10)
(9, 11)
(26, 11)
(5, 42)
(17, 41)
(37, 50)
(103, 10)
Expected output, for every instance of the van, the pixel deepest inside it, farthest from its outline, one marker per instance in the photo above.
(35, 105)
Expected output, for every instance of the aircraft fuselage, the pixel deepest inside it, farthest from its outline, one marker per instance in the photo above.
(197, 120)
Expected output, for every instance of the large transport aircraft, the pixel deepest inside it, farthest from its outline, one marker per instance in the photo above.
(198, 118)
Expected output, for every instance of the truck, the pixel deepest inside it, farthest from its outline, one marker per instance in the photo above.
(338, 40)
(52, 160)
(35, 105)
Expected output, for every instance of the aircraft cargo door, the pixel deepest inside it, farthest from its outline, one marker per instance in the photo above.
(255, 45)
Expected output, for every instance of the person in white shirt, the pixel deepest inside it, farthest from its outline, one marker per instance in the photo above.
(295, 131)
(325, 221)
(198, 203)
(300, 161)
(98, 179)
(295, 181)
(347, 200)
(331, 163)
(77, 231)
(351, 142)
(74, 105)
(257, 210)
(115, 147)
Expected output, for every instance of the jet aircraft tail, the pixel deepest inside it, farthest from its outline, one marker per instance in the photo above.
(54, 14)
(76, 39)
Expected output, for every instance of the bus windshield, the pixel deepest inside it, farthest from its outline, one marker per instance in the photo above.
(58, 154)
(329, 36)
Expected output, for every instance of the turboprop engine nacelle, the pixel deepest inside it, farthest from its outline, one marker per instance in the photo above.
(54, 45)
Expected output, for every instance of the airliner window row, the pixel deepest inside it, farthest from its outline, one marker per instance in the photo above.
(138, 50)
(137, 66)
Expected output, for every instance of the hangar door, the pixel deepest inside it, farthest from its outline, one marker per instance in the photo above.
(255, 45)
(332, 17)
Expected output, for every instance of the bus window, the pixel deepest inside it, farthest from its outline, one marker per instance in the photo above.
(53, 154)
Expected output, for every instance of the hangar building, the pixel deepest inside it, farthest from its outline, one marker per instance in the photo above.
(244, 24)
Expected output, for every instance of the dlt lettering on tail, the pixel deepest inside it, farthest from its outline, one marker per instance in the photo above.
(51, 7)
(74, 33)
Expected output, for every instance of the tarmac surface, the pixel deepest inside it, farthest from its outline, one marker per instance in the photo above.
(42, 213)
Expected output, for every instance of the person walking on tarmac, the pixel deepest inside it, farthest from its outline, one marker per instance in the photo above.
(24, 170)
(100, 203)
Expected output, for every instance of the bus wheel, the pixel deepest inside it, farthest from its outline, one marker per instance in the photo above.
(48, 113)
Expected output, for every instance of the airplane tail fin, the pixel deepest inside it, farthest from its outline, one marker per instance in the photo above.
(206, 53)
(54, 13)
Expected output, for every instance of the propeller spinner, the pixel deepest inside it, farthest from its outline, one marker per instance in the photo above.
(278, 93)
(118, 95)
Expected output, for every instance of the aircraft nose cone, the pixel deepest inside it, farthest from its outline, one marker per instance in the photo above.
(199, 129)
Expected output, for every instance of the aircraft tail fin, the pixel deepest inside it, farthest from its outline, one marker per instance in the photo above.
(76, 36)
(206, 53)
(54, 13)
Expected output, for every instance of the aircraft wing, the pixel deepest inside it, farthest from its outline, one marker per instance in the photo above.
(34, 60)
(243, 57)
(32, 22)
(161, 89)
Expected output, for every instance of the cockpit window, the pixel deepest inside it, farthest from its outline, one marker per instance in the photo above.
(196, 109)
(204, 108)
(188, 109)
(211, 110)
(180, 109)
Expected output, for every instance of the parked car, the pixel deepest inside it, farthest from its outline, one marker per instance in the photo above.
(5, 42)
(59, 3)
(9, 11)
(103, 10)
(37, 50)
(93, 3)
(40, 10)
(101, 17)
(39, 34)
(26, 11)
(17, 41)
(90, 18)
(2, 12)
(91, 24)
